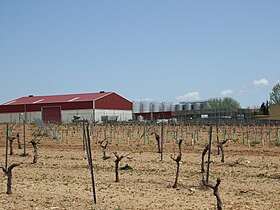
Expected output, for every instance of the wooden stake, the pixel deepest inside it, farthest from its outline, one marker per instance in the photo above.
(218, 142)
(161, 143)
(18, 140)
(248, 137)
(262, 138)
(209, 155)
(7, 142)
(202, 162)
(24, 141)
(90, 161)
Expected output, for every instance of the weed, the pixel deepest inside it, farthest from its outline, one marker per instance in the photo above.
(126, 167)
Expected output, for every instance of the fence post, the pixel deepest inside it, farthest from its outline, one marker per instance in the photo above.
(7, 141)
(90, 162)
(161, 142)
(209, 155)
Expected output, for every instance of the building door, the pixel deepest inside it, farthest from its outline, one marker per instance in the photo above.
(51, 114)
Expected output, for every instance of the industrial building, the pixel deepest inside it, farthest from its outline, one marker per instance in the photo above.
(274, 113)
(152, 110)
(162, 110)
(95, 107)
(191, 112)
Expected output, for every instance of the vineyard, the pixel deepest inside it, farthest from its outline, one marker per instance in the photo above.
(244, 157)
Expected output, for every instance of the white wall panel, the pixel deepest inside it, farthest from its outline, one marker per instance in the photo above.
(5, 117)
(123, 115)
(18, 117)
(31, 115)
(67, 116)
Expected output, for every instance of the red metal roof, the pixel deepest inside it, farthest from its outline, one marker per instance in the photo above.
(58, 98)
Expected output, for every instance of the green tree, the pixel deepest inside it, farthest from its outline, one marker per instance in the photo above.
(264, 108)
(223, 103)
(275, 94)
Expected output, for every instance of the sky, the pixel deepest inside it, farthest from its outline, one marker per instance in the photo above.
(157, 50)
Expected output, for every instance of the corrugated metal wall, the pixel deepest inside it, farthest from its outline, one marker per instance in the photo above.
(114, 102)
(51, 114)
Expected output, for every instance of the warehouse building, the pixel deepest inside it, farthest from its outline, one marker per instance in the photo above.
(153, 110)
(95, 107)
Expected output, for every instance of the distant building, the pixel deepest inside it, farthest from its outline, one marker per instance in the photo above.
(153, 110)
(102, 106)
(274, 112)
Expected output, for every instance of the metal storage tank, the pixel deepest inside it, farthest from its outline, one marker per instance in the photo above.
(157, 107)
(172, 108)
(146, 107)
(187, 107)
(136, 107)
(179, 107)
(166, 107)
(197, 106)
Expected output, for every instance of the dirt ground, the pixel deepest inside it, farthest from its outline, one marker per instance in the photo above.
(61, 178)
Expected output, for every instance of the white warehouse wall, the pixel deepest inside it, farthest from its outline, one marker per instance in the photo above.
(67, 116)
(89, 114)
(123, 115)
(18, 117)
(31, 115)
(5, 117)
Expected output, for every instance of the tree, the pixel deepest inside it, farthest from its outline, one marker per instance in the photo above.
(223, 103)
(264, 108)
(275, 94)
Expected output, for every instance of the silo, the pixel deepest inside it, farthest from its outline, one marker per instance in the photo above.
(157, 107)
(136, 107)
(187, 107)
(197, 106)
(146, 107)
(172, 108)
(166, 107)
(178, 107)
